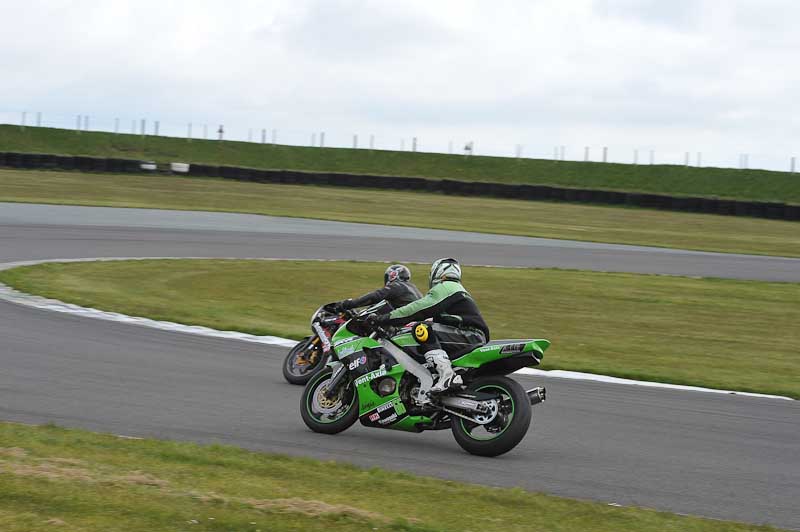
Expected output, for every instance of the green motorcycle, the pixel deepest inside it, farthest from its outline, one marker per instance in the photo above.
(378, 375)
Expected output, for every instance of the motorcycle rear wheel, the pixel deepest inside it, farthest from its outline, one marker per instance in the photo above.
(328, 416)
(506, 430)
(295, 373)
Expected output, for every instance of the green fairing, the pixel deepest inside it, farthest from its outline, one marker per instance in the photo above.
(368, 400)
(405, 340)
(346, 348)
(409, 423)
(435, 295)
(490, 353)
(342, 333)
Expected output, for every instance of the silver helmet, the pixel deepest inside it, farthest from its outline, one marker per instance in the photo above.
(444, 270)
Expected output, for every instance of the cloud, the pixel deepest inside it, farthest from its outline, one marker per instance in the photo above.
(717, 75)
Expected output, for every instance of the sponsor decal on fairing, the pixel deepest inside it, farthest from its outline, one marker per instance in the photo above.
(380, 372)
(388, 420)
(357, 362)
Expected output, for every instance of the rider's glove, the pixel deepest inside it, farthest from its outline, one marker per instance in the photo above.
(338, 306)
(377, 319)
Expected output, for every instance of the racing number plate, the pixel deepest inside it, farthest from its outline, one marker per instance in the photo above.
(323, 336)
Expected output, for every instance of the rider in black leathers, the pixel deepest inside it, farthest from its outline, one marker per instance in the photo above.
(398, 291)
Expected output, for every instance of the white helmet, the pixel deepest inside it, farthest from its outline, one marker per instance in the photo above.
(444, 270)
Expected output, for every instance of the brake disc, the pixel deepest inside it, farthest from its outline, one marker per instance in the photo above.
(492, 408)
(324, 405)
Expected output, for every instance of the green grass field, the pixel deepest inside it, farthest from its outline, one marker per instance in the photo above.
(543, 219)
(76, 481)
(739, 335)
(663, 179)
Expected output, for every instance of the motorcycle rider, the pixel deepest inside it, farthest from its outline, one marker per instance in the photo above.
(397, 290)
(458, 326)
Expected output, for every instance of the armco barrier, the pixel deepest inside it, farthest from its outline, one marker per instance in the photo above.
(755, 209)
(14, 160)
(65, 162)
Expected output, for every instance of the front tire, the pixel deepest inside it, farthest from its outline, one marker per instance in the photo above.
(508, 427)
(312, 359)
(328, 416)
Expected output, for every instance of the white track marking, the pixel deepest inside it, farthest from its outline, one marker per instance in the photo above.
(576, 375)
(14, 296)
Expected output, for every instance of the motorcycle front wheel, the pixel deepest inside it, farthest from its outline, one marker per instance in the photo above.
(328, 415)
(506, 429)
(303, 361)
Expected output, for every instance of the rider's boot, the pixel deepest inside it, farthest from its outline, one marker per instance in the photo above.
(439, 358)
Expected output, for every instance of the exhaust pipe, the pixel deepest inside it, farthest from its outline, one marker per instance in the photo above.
(537, 395)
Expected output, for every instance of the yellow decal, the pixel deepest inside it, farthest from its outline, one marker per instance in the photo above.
(421, 333)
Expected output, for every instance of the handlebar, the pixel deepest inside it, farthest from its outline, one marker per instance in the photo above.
(380, 331)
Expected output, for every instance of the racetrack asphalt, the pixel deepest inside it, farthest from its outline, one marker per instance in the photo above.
(719, 456)
(29, 231)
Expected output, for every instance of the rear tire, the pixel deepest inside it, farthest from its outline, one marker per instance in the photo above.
(328, 416)
(301, 374)
(509, 426)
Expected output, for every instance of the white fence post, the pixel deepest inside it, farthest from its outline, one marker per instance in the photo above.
(652, 157)
(563, 151)
(142, 125)
(686, 159)
(38, 119)
(791, 165)
(221, 131)
(116, 126)
(635, 157)
(699, 159)
(586, 154)
(205, 131)
(450, 147)
(313, 139)
(605, 154)
(155, 128)
(86, 122)
(414, 144)
(322, 139)
(22, 120)
(274, 136)
(555, 153)
(263, 136)
(189, 132)
(402, 144)
(78, 121)
(372, 142)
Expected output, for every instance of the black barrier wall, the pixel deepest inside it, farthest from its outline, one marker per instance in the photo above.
(755, 209)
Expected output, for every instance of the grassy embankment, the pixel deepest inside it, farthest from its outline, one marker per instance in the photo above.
(739, 335)
(71, 480)
(543, 219)
(663, 179)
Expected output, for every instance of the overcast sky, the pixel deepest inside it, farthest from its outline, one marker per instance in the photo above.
(720, 77)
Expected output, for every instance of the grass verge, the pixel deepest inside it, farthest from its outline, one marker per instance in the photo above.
(543, 219)
(72, 480)
(663, 179)
(739, 335)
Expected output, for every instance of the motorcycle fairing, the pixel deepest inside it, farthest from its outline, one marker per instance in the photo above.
(504, 356)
